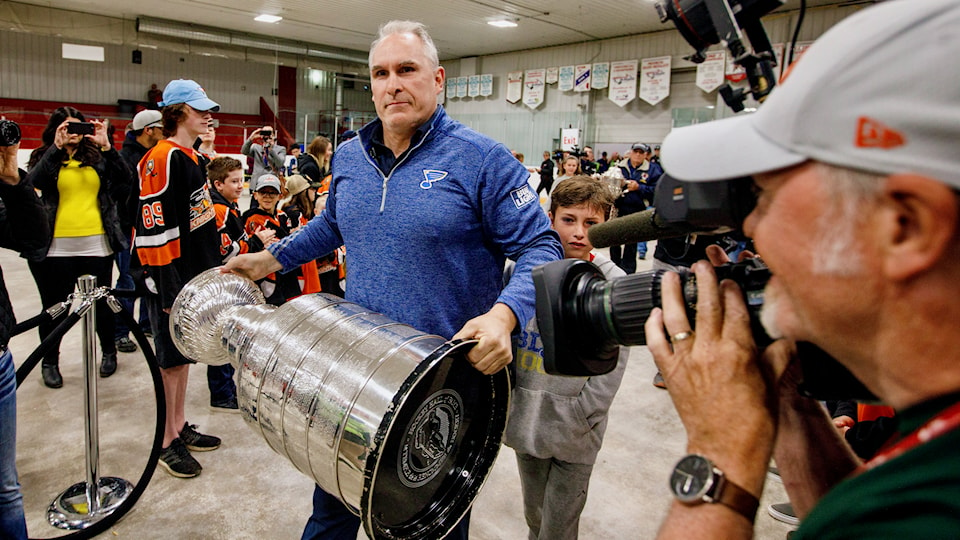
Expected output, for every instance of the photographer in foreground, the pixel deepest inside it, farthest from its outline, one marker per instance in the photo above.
(858, 218)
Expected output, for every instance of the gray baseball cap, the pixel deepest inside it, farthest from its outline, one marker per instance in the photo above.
(879, 92)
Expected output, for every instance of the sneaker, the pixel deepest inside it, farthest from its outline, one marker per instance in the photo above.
(658, 381)
(783, 512)
(774, 473)
(108, 364)
(125, 344)
(176, 459)
(226, 406)
(198, 442)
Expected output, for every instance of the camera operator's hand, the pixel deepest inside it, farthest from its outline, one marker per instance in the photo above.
(714, 376)
(9, 173)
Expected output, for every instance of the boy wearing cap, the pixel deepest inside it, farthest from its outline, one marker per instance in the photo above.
(278, 287)
(176, 239)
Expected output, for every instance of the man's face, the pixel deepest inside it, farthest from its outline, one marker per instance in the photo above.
(572, 223)
(155, 134)
(791, 223)
(405, 84)
(637, 157)
(232, 186)
(589, 153)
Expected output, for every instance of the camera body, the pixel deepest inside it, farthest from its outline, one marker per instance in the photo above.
(9, 133)
(81, 128)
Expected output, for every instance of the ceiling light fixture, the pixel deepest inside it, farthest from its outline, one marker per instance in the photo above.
(268, 18)
(502, 23)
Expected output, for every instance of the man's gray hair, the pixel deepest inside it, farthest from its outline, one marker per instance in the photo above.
(407, 27)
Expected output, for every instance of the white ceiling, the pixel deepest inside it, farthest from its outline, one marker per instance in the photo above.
(457, 26)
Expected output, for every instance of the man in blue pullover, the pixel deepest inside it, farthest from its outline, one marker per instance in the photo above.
(429, 211)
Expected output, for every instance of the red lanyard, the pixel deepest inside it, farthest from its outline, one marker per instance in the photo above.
(938, 425)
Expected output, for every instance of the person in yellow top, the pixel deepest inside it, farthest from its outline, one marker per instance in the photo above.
(81, 178)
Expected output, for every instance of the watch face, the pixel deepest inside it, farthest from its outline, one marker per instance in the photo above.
(692, 478)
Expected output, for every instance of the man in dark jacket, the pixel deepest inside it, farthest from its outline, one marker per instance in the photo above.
(23, 226)
(641, 181)
(146, 131)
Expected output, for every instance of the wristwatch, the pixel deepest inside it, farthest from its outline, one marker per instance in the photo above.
(695, 480)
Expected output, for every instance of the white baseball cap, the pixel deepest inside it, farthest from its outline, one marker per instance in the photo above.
(879, 92)
(268, 181)
(148, 118)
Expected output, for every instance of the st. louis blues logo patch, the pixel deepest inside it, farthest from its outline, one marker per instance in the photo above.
(430, 176)
(523, 196)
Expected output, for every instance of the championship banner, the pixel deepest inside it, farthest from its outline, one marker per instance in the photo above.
(710, 71)
(623, 82)
(655, 79)
(533, 86)
(601, 74)
(566, 79)
(514, 86)
(553, 74)
(461, 87)
(582, 75)
(473, 86)
(486, 84)
(451, 84)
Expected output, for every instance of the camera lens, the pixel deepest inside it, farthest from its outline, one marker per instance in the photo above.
(583, 317)
(9, 133)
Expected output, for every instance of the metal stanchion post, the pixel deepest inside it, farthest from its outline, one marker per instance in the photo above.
(86, 503)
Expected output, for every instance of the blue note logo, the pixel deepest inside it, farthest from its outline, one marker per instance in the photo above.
(430, 176)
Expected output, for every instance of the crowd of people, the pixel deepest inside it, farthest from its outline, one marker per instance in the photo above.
(856, 216)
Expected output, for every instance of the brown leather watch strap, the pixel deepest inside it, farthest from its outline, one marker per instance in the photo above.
(735, 497)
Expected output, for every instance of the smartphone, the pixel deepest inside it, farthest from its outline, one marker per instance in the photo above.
(81, 128)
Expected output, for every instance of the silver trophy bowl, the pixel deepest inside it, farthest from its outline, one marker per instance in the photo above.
(394, 422)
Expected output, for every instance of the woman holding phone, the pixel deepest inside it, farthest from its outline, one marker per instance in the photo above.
(81, 177)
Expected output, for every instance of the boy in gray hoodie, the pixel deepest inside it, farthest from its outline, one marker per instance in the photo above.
(556, 423)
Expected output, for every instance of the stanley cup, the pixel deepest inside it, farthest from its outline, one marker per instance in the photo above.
(394, 422)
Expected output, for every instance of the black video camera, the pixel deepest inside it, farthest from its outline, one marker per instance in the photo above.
(706, 22)
(584, 318)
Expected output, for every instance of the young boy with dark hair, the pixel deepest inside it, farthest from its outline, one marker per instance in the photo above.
(556, 423)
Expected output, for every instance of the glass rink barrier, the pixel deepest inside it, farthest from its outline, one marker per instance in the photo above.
(394, 422)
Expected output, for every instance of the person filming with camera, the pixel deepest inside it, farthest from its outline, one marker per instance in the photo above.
(857, 174)
(267, 156)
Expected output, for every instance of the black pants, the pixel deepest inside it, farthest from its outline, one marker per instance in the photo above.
(56, 278)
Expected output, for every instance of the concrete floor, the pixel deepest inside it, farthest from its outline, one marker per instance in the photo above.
(247, 491)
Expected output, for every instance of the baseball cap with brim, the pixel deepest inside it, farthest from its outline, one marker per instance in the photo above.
(878, 92)
(145, 119)
(189, 92)
(641, 147)
(268, 181)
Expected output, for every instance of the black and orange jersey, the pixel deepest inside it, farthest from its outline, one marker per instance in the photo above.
(277, 287)
(176, 233)
(234, 240)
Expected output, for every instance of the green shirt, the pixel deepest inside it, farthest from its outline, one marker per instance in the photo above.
(915, 495)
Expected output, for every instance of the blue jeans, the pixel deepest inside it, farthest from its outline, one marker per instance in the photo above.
(12, 523)
(220, 382)
(331, 520)
(125, 282)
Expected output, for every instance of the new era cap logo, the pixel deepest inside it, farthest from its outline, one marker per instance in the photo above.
(874, 134)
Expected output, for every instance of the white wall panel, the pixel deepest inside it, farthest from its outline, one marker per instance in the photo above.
(31, 68)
